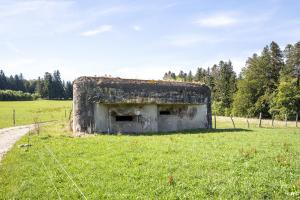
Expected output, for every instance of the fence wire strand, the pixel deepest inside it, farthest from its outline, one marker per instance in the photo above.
(50, 177)
(68, 175)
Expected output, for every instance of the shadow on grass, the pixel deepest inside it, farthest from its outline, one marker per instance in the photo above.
(195, 131)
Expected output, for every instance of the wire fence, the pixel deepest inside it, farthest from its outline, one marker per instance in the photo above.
(21, 118)
(239, 122)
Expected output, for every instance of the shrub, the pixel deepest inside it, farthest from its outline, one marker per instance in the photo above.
(10, 95)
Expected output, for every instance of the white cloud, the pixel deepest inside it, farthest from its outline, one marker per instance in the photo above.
(101, 29)
(136, 28)
(218, 20)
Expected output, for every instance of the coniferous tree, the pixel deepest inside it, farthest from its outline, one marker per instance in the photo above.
(251, 98)
(69, 90)
(57, 86)
(287, 98)
(169, 76)
(3, 81)
(47, 91)
(190, 76)
(276, 65)
(225, 86)
(50, 87)
(199, 76)
(11, 83)
(182, 76)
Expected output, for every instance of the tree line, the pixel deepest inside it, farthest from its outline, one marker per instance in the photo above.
(268, 84)
(50, 86)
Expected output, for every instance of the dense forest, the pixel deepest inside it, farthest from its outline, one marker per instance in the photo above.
(49, 87)
(268, 84)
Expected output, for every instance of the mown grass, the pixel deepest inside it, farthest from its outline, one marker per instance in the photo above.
(228, 164)
(27, 112)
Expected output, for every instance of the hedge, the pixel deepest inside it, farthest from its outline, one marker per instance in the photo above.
(10, 95)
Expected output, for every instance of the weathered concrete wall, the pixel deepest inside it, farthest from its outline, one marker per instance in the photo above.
(144, 118)
(83, 107)
(182, 117)
(148, 118)
(101, 118)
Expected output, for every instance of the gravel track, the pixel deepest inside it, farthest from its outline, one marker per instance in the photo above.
(9, 136)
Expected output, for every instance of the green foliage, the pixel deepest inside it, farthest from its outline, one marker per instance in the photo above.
(224, 85)
(260, 90)
(258, 164)
(243, 100)
(169, 76)
(287, 100)
(217, 108)
(69, 90)
(190, 76)
(10, 95)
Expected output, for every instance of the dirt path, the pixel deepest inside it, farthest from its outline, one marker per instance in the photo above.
(8, 136)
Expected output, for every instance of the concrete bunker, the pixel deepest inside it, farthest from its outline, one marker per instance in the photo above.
(113, 105)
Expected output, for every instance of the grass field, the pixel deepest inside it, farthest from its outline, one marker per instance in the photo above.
(29, 111)
(259, 163)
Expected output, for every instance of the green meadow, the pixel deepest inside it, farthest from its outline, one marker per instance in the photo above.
(255, 163)
(28, 112)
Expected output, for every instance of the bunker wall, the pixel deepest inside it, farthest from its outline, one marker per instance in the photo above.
(124, 118)
(182, 117)
(95, 99)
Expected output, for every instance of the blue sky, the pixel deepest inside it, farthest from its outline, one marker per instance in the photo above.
(138, 39)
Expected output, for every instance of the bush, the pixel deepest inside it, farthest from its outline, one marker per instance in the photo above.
(10, 95)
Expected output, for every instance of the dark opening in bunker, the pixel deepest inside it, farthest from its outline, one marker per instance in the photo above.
(165, 112)
(124, 118)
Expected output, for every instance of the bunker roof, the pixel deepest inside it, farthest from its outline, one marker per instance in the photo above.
(117, 90)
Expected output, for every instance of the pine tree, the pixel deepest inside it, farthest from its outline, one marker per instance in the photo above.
(190, 76)
(3, 81)
(287, 98)
(48, 91)
(182, 76)
(254, 90)
(58, 88)
(169, 76)
(69, 90)
(276, 64)
(225, 86)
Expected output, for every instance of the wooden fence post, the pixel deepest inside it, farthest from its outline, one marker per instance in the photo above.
(248, 126)
(259, 120)
(297, 120)
(273, 120)
(285, 119)
(14, 117)
(215, 118)
(232, 121)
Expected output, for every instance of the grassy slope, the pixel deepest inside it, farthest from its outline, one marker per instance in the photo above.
(260, 163)
(28, 111)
